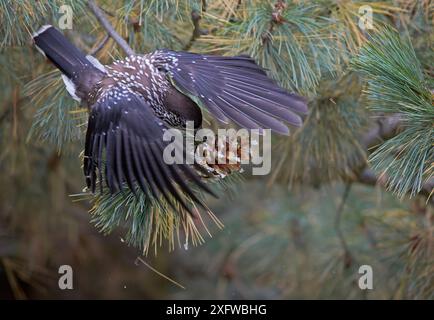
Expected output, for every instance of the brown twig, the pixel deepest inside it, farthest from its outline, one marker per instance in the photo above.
(100, 16)
(276, 18)
(348, 257)
(383, 129)
(232, 16)
(100, 45)
(5, 113)
(197, 31)
(369, 177)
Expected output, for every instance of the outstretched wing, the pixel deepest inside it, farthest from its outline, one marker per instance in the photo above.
(233, 88)
(126, 139)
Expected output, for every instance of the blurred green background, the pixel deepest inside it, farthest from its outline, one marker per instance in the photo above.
(350, 188)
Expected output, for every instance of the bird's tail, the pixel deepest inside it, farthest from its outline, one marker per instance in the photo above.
(59, 50)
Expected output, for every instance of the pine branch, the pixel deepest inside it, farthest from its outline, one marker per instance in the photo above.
(58, 118)
(197, 31)
(99, 14)
(327, 148)
(158, 23)
(383, 129)
(148, 222)
(396, 84)
(20, 18)
(369, 177)
(276, 18)
(100, 45)
(348, 256)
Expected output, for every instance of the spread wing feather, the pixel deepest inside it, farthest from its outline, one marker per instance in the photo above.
(233, 88)
(124, 126)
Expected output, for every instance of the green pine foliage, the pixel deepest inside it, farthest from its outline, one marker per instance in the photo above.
(150, 224)
(20, 17)
(294, 48)
(397, 85)
(59, 121)
(288, 246)
(338, 107)
(288, 249)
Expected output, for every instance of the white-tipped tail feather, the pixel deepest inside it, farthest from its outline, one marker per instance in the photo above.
(66, 57)
(70, 87)
(37, 33)
(41, 30)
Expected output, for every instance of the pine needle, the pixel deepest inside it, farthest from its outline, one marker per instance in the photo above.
(159, 273)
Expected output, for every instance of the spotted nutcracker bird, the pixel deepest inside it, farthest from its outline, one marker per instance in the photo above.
(133, 101)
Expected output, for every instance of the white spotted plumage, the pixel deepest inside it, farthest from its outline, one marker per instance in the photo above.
(139, 75)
